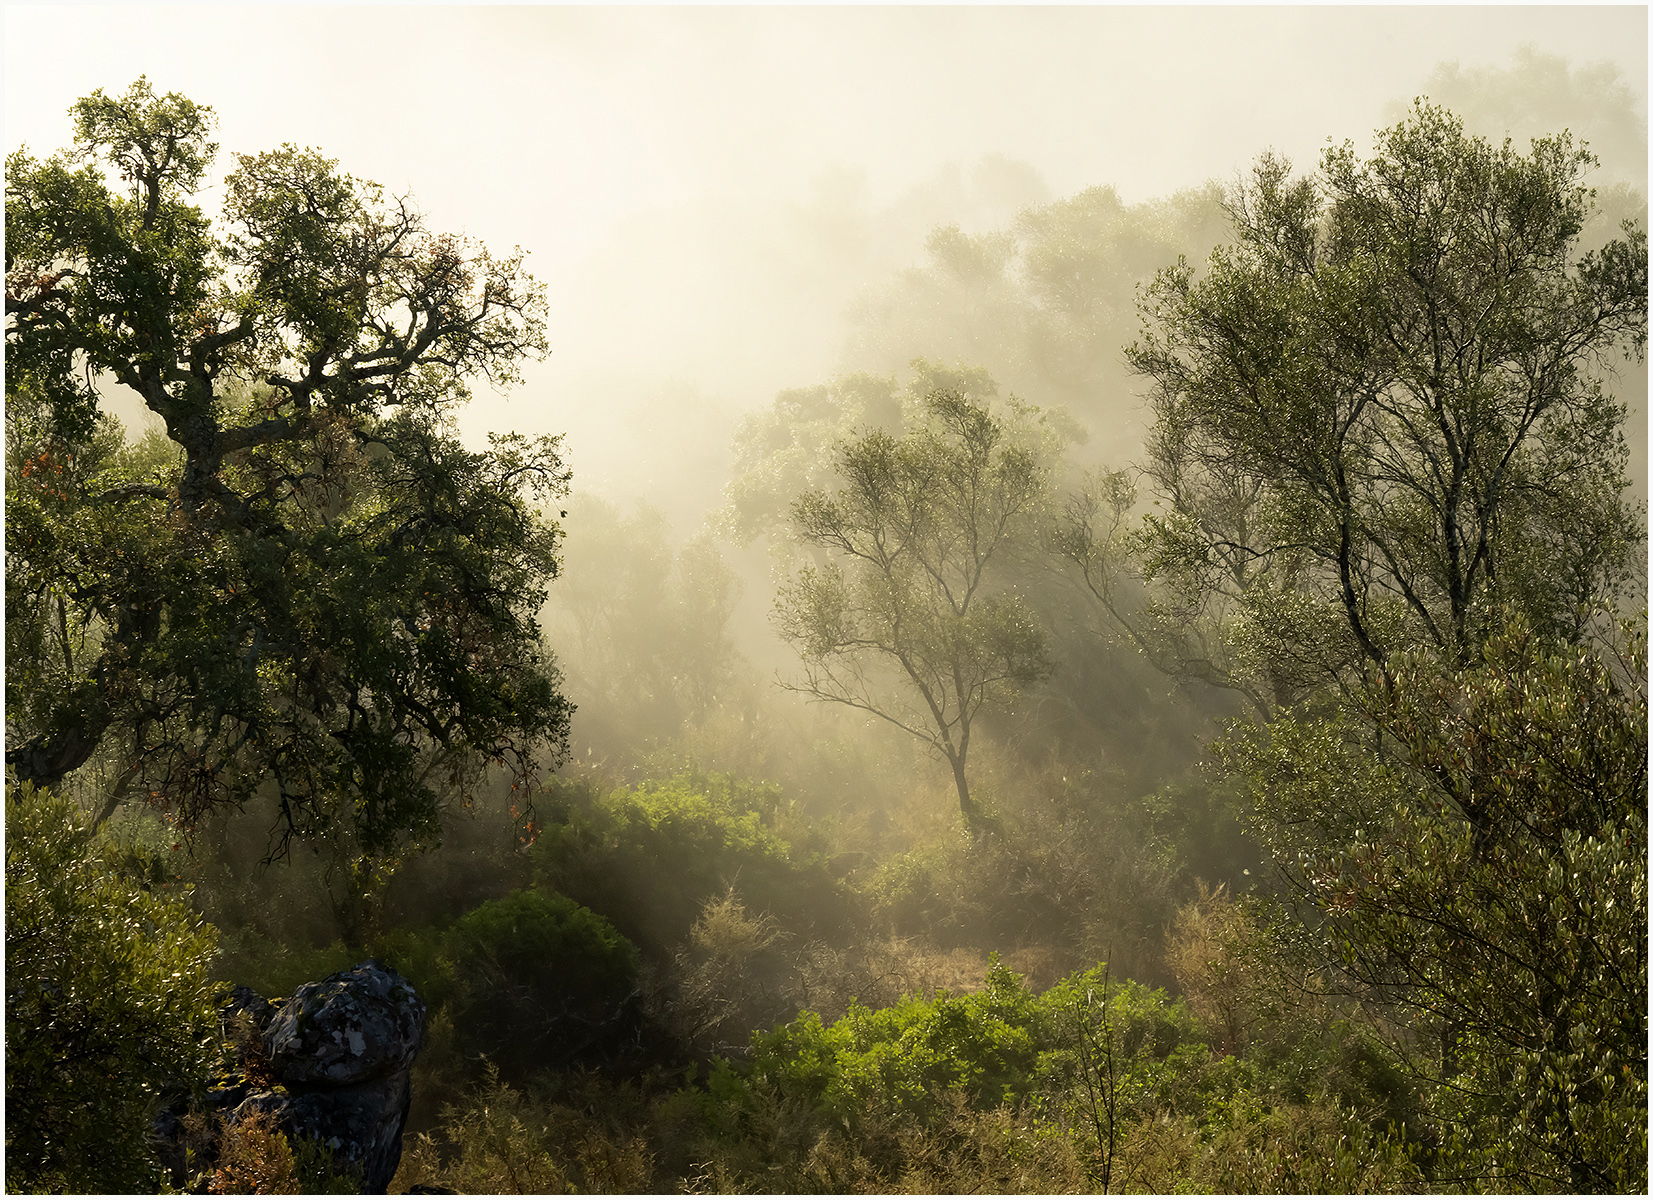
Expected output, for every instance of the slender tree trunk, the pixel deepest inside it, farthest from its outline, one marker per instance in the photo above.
(972, 815)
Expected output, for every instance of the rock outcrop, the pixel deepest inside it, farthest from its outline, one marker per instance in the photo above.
(331, 1064)
(353, 1027)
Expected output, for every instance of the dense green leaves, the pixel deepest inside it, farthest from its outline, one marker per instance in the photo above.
(318, 587)
(1475, 851)
(941, 1092)
(906, 1055)
(109, 1005)
(532, 979)
(651, 857)
(1386, 403)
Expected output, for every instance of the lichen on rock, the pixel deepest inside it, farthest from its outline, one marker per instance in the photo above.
(330, 1064)
(353, 1026)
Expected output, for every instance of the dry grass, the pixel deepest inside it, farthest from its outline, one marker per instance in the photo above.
(1208, 953)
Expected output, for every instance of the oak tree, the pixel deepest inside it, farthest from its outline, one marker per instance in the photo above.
(1468, 848)
(311, 583)
(1386, 461)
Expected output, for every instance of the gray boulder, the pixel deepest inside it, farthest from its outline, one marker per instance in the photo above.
(332, 1065)
(352, 1027)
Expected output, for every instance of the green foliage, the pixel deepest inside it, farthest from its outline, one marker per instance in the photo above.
(280, 923)
(314, 1171)
(530, 981)
(494, 1151)
(529, 934)
(1382, 440)
(900, 1057)
(649, 858)
(1269, 1148)
(791, 448)
(1379, 420)
(1199, 820)
(320, 588)
(912, 619)
(109, 1005)
(1474, 850)
(47, 463)
(996, 1046)
(1000, 1087)
(898, 1093)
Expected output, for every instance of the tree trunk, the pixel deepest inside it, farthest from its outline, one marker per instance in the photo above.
(45, 759)
(973, 818)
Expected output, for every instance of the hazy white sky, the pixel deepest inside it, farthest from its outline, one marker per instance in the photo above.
(632, 149)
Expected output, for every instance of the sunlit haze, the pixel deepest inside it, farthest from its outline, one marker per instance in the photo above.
(1085, 632)
(706, 192)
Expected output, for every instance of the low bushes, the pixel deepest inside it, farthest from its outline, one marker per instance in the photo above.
(651, 857)
(1088, 1085)
(109, 1004)
(530, 981)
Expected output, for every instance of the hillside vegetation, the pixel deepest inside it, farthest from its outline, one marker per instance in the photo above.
(1246, 796)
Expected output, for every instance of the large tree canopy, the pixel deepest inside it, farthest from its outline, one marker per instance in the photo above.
(1380, 418)
(1386, 459)
(310, 581)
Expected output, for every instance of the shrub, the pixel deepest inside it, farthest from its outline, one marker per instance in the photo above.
(255, 1158)
(1255, 1147)
(649, 858)
(500, 1139)
(493, 1150)
(546, 942)
(984, 1045)
(109, 1005)
(531, 980)
(1072, 867)
(729, 979)
(1208, 952)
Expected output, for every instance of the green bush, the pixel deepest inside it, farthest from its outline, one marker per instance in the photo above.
(529, 980)
(1132, 1088)
(109, 1005)
(544, 943)
(649, 858)
(904, 1056)
(999, 1090)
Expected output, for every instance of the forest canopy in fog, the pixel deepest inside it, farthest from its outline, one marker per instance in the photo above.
(1151, 697)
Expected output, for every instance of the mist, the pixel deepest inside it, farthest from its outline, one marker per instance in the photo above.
(769, 236)
(708, 194)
